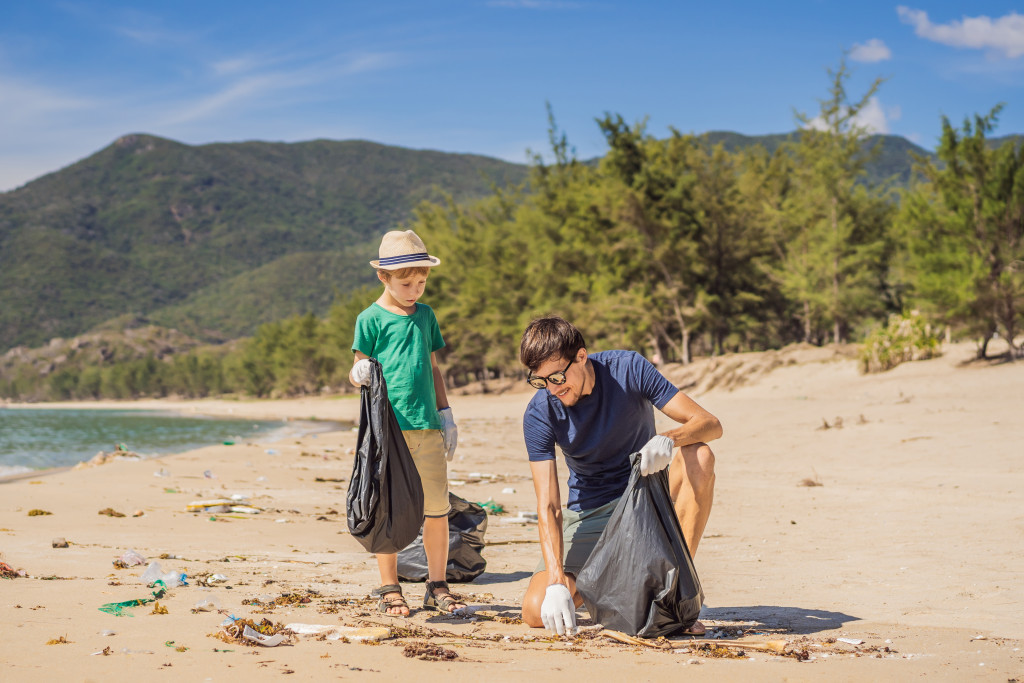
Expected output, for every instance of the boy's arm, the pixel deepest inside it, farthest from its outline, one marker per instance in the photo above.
(440, 392)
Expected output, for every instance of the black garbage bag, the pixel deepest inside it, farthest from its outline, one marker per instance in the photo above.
(385, 496)
(467, 523)
(640, 578)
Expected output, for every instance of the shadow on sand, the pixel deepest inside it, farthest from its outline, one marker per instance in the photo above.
(799, 620)
(488, 578)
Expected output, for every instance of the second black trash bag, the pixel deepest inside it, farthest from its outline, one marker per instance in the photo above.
(385, 496)
(640, 579)
(467, 523)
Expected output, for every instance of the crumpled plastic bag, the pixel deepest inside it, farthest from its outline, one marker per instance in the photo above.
(640, 578)
(467, 523)
(385, 495)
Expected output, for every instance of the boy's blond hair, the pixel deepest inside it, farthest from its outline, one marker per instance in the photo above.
(402, 273)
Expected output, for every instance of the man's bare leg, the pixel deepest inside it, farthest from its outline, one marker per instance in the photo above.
(534, 597)
(691, 482)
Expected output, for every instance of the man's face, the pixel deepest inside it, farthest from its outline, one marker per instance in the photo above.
(575, 377)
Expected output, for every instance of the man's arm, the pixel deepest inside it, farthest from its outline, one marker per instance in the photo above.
(549, 519)
(696, 424)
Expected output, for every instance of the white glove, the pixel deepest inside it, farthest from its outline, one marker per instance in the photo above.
(656, 454)
(450, 433)
(558, 611)
(360, 372)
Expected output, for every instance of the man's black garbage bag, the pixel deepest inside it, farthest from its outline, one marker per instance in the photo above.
(385, 496)
(467, 523)
(640, 578)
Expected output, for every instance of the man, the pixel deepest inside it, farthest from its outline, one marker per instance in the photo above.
(598, 409)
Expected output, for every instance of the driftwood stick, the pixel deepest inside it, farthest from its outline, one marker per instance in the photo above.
(630, 640)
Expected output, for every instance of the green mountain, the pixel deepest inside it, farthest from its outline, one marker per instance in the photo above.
(891, 162)
(216, 237)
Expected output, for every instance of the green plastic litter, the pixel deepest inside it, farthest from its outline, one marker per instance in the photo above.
(492, 507)
(117, 608)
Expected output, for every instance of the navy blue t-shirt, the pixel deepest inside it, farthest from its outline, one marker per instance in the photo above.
(600, 432)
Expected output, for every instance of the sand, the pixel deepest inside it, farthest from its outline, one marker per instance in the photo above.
(911, 541)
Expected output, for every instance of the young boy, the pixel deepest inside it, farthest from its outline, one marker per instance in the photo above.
(403, 336)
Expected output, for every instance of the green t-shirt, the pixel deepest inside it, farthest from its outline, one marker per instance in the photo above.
(403, 344)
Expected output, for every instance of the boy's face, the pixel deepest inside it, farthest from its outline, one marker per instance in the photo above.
(406, 291)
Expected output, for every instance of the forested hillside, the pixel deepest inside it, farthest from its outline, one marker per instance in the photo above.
(201, 234)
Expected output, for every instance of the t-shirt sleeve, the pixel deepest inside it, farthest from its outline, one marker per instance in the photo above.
(436, 341)
(651, 383)
(540, 438)
(365, 337)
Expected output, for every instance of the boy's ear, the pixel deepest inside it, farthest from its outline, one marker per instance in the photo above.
(382, 277)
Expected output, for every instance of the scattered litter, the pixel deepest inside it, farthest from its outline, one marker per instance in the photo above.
(162, 473)
(492, 507)
(216, 578)
(270, 451)
(38, 513)
(8, 572)
(265, 641)
(850, 641)
(117, 608)
(59, 641)
(508, 489)
(106, 652)
(221, 505)
(350, 633)
(207, 605)
(209, 474)
(980, 637)
(229, 443)
(59, 543)
(139, 513)
(110, 512)
(108, 632)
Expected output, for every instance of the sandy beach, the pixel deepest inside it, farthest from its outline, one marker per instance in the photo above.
(873, 523)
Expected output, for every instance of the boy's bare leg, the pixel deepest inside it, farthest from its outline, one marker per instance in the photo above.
(387, 564)
(534, 597)
(435, 543)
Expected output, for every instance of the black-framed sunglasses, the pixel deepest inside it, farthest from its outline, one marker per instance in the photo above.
(538, 382)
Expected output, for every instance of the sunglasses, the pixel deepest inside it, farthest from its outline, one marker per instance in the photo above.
(538, 382)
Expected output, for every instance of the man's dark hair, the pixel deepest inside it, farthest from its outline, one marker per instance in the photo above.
(549, 337)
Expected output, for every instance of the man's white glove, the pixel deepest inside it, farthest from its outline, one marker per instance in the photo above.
(558, 611)
(656, 454)
(449, 432)
(360, 372)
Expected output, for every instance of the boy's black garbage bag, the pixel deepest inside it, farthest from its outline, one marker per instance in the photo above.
(385, 496)
(640, 578)
(467, 523)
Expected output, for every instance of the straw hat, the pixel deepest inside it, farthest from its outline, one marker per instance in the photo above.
(403, 249)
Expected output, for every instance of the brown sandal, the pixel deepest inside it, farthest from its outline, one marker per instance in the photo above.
(384, 603)
(443, 602)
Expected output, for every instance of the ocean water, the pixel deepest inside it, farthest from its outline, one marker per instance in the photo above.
(32, 439)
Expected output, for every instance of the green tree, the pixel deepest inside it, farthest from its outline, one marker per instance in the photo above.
(964, 229)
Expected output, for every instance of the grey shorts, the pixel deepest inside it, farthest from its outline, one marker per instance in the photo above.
(580, 531)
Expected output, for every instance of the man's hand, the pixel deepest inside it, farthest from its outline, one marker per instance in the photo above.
(360, 373)
(558, 611)
(450, 432)
(656, 454)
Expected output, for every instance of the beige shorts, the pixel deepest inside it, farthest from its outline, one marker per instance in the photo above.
(427, 448)
(580, 533)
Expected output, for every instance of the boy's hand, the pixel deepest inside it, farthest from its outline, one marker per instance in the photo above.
(360, 373)
(450, 433)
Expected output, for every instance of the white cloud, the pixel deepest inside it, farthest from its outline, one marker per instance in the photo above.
(873, 118)
(1003, 36)
(872, 51)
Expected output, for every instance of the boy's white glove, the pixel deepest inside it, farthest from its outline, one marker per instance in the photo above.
(360, 372)
(449, 432)
(656, 454)
(558, 611)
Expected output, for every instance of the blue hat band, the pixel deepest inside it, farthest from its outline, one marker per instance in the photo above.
(405, 258)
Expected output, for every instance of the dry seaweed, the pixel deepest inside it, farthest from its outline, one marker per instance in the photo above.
(110, 512)
(37, 512)
(429, 653)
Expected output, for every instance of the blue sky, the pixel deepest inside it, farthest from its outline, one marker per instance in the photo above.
(474, 75)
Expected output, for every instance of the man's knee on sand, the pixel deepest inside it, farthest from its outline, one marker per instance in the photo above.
(693, 466)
